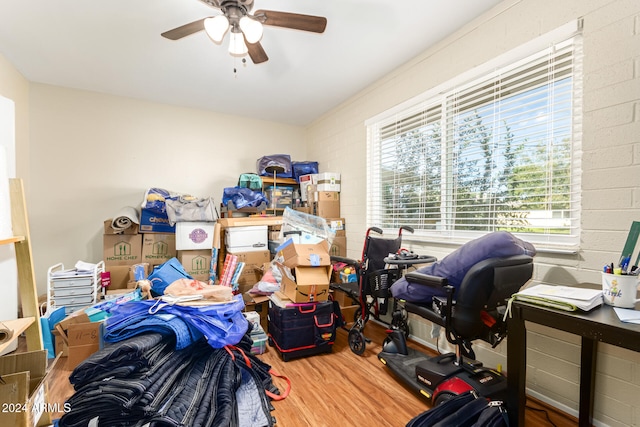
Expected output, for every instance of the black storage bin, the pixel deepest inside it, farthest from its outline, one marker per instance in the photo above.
(302, 330)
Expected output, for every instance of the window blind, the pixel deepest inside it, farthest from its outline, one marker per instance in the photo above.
(499, 152)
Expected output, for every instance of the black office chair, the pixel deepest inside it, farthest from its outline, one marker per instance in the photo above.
(473, 311)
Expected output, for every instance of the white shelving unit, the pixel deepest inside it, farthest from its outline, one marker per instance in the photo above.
(72, 290)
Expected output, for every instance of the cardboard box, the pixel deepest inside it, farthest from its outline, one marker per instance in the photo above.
(337, 225)
(152, 221)
(158, 248)
(109, 230)
(253, 268)
(196, 263)
(326, 204)
(82, 339)
(247, 239)
(312, 255)
(349, 312)
(342, 297)
(120, 276)
(23, 390)
(305, 182)
(122, 249)
(327, 181)
(253, 257)
(251, 274)
(310, 284)
(194, 235)
(339, 246)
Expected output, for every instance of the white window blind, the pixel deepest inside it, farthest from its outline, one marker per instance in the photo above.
(499, 152)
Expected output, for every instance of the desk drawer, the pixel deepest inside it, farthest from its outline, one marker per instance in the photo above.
(72, 291)
(74, 300)
(72, 282)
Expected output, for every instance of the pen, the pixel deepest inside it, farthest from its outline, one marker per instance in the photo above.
(624, 264)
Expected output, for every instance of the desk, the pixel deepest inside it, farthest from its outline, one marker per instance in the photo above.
(600, 324)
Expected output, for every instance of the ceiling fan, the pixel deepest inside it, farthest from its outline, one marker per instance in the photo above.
(244, 27)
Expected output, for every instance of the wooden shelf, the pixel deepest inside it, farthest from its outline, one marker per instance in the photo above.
(10, 240)
(268, 180)
(18, 326)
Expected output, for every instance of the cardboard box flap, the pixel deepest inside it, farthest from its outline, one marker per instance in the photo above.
(313, 255)
(34, 362)
(313, 275)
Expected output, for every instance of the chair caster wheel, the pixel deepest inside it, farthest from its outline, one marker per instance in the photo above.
(357, 342)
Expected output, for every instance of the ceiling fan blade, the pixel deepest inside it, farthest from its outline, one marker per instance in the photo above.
(315, 24)
(184, 30)
(256, 52)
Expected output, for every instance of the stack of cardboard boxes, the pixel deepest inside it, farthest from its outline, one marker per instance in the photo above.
(306, 272)
(321, 192)
(190, 242)
(122, 251)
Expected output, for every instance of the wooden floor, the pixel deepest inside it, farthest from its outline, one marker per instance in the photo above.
(336, 389)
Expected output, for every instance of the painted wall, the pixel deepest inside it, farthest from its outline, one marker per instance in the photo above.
(92, 154)
(14, 105)
(610, 173)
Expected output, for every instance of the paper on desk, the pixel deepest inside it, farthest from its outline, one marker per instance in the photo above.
(627, 315)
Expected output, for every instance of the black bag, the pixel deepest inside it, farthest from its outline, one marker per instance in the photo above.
(464, 410)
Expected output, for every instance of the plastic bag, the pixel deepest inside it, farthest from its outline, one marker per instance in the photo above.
(251, 181)
(309, 228)
(303, 168)
(155, 198)
(278, 160)
(243, 197)
(188, 208)
(165, 275)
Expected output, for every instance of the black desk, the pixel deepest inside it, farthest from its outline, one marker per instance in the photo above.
(600, 324)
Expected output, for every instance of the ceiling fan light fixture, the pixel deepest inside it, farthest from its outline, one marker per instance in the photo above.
(216, 27)
(251, 28)
(237, 46)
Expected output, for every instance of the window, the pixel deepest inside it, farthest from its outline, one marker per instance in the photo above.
(499, 152)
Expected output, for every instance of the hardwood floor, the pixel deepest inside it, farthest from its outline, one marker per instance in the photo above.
(336, 389)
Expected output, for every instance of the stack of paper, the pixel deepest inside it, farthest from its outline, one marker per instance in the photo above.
(628, 315)
(562, 297)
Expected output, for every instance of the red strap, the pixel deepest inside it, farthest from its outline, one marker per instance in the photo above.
(273, 396)
(282, 396)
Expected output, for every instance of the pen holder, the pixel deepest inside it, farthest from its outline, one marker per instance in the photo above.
(620, 290)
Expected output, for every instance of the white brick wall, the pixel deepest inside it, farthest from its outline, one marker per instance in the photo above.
(610, 180)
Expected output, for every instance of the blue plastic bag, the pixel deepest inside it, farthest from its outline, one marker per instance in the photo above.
(303, 168)
(166, 274)
(275, 160)
(243, 197)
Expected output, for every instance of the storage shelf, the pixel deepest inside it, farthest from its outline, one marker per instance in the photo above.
(10, 240)
(18, 326)
(268, 180)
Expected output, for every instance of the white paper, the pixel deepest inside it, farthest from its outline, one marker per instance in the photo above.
(628, 315)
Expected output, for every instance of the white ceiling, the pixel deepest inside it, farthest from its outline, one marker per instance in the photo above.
(115, 47)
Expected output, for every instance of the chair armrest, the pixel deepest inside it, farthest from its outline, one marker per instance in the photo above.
(344, 260)
(426, 279)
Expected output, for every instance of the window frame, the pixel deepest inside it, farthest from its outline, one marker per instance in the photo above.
(569, 33)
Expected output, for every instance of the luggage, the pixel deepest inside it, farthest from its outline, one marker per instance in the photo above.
(302, 329)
